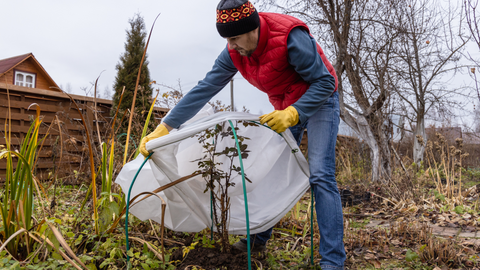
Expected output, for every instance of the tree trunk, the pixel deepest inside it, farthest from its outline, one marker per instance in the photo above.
(378, 144)
(419, 140)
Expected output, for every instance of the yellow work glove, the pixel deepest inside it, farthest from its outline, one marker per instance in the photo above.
(280, 120)
(160, 131)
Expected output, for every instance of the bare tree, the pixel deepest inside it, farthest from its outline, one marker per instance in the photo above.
(428, 51)
(472, 18)
(361, 35)
(107, 93)
(171, 96)
(68, 88)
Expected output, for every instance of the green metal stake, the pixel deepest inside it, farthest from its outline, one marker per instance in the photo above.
(244, 194)
(211, 215)
(311, 225)
(211, 202)
(128, 206)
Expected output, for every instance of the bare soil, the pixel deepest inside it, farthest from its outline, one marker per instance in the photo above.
(213, 258)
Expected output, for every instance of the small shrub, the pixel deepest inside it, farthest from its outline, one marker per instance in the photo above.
(441, 252)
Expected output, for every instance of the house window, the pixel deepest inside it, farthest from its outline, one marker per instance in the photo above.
(24, 79)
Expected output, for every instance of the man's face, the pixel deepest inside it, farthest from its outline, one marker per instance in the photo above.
(244, 44)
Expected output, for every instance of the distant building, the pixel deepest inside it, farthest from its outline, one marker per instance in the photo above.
(397, 122)
(450, 133)
(471, 138)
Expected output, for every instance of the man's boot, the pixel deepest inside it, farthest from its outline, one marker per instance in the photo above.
(242, 246)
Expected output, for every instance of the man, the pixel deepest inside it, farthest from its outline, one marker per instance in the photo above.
(276, 54)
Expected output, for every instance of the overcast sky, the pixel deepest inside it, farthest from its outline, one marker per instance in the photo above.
(76, 40)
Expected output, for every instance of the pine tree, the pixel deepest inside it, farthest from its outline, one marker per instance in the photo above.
(127, 71)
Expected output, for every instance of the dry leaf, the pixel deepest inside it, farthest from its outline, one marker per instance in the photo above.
(468, 243)
(396, 242)
(382, 256)
(457, 219)
(358, 251)
(468, 250)
(376, 263)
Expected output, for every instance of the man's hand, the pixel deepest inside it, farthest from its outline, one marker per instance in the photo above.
(160, 131)
(280, 120)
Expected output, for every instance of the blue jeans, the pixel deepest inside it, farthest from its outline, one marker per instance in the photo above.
(322, 129)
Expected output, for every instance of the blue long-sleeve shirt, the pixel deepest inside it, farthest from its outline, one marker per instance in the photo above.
(302, 55)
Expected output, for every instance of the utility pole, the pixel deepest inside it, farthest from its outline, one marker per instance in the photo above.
(231, 96)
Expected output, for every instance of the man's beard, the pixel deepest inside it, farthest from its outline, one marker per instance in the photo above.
(244, 52)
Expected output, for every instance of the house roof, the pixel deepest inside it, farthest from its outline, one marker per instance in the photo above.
(9, 64)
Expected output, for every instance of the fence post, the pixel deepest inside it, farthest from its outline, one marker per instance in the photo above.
(89, 115)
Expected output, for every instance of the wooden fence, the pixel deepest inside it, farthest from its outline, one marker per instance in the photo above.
(68, 132)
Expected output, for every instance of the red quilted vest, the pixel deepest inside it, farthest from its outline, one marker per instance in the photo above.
(268, 68)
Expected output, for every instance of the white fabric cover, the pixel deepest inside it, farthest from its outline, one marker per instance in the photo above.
(275, 165)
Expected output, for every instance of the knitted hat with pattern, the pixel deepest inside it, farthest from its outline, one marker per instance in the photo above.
(236, 17)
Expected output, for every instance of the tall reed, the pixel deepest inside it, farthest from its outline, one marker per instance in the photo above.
(17, 202)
